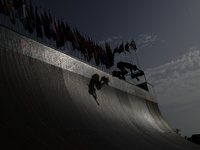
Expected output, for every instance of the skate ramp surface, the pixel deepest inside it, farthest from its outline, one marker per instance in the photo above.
(45, 103)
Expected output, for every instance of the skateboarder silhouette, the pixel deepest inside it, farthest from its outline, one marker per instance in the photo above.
(122, 66)
(98, 83)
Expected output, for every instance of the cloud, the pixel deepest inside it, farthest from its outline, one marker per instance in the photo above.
(188, 61)
(142, 41)
(177, 80)
(112, 40)
(145, 40)
(177, 89)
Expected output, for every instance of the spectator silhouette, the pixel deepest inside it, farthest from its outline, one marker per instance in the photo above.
(98, 83)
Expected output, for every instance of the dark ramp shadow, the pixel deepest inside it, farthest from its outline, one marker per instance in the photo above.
(98, 83)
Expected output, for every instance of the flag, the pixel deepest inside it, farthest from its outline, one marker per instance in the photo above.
(21, 2)
(115, 50)
(63, 27)
(59, 34)
(29, 19)
(31, 14)
(101, 55)
(9, 10)
(86, 44)
(82, 46)
(97, 54)
(46, 24)
(103, 58)
(63, 30)
(21, 12)
(133, 45)
(110, 56)
(38, 24)
(70, 36)
(2, 7)
(56, 29)
(81, 43)
(58, 40)
(52, 28)
(61, 41)
(120, 49)
(89, 46)
(127, 47)
(23, 16)
(15, 4)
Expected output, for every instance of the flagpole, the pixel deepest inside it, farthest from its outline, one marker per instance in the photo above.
(137, 59)
(139, 66)
(5, 20)
(19, 28)
(131, 58)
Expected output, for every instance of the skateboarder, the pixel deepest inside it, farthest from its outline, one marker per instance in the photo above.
(98, 83)
(123, 66)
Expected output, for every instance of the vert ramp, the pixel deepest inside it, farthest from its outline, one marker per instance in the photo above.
(45, 104)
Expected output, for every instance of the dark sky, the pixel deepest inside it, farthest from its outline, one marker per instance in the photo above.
(167, 36)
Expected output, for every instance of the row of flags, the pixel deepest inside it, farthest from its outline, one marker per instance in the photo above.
(7, 9)
(44, 24)
(128, 46)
